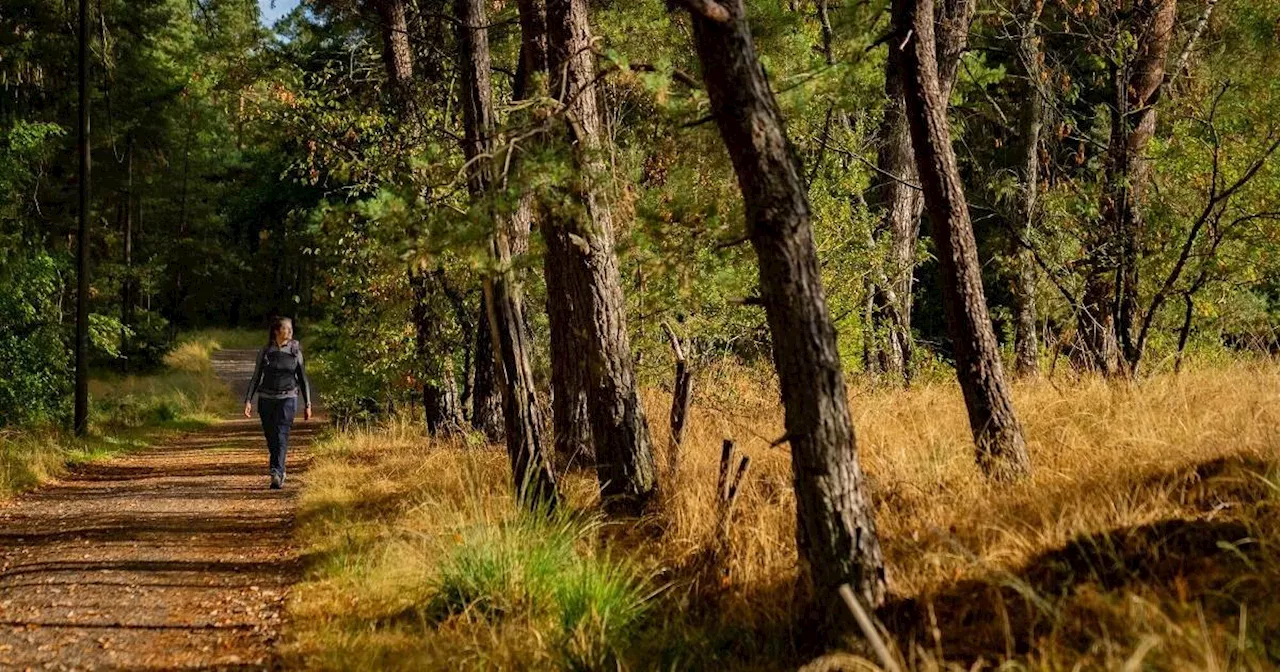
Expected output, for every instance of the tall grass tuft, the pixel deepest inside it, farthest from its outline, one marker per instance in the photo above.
(533, 568)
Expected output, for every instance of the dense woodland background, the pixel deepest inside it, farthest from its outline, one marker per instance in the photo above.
(240, 173)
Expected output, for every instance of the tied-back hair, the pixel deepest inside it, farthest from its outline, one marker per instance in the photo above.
(276, 324)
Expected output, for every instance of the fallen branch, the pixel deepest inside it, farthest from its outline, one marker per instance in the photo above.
(868, 629)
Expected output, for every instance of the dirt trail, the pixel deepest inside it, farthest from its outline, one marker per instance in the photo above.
(177, 557)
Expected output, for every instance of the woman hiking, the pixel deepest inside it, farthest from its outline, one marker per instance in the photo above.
(278, 378)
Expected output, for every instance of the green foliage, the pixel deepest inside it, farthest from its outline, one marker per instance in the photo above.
(34, 359)
(533, 568)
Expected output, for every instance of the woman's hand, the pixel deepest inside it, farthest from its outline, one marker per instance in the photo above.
(248, 409)
(306, 415)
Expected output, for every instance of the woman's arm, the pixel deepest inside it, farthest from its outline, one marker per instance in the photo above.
(257, 378)
(303, 385)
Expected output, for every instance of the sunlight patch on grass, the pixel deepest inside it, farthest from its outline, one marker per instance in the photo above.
(126, 412)
(419, 560)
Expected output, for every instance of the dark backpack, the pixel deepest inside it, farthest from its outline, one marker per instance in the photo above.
(279, 369)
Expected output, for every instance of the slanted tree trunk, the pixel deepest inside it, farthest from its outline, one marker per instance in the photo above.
(835, 531)
(580, 249)
(1026, 347)
(534, 480)
(894, 191)
(1001, 450)
(531, 73)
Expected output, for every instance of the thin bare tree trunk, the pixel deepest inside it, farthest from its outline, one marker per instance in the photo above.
(1026, 347)
(1111, 290)
(835, 530)
(531, 470)
(580, 249)
(1001, 450)
(127, 290)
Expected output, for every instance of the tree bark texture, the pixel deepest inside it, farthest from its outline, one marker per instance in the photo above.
(571, 426)
(895, 193)
(486, 398)
(1111, 292)
(835, 531)
(397, 54)
(522, 414)
(584, 260)
(1026, 345)
(439, 387)
(569, 418)
(1001, 450)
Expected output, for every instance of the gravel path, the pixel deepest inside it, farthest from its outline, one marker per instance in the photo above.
(177, 557)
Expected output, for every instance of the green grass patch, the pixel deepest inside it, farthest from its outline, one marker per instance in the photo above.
(530, 568)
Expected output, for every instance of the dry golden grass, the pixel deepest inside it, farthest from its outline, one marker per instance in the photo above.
(1146, 539)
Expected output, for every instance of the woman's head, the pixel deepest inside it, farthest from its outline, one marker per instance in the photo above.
(281, 331)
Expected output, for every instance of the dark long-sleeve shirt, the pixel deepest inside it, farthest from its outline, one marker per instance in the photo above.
(279, 374)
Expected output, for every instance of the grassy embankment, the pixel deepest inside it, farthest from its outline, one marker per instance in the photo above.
(127, 412)
(1148, 538)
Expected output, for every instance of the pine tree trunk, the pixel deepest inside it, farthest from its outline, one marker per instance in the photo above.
(569, 418)
(441, 408)
(486, 398)
(571, 426)
(895, 193)
(585, 261)
(531, 470)
(397, 53)
(835, 531)
(1138, 86)
(1001, 450)
(1111, 256)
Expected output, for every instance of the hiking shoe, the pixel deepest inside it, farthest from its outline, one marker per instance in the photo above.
(276, 481)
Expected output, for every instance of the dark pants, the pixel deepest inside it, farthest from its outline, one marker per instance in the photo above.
(277, 420)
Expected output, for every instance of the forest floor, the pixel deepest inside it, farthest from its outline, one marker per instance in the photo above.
(173, 557)
(1147, 538)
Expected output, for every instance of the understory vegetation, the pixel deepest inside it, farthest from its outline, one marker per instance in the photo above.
(128, 412)
(1147, 538)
